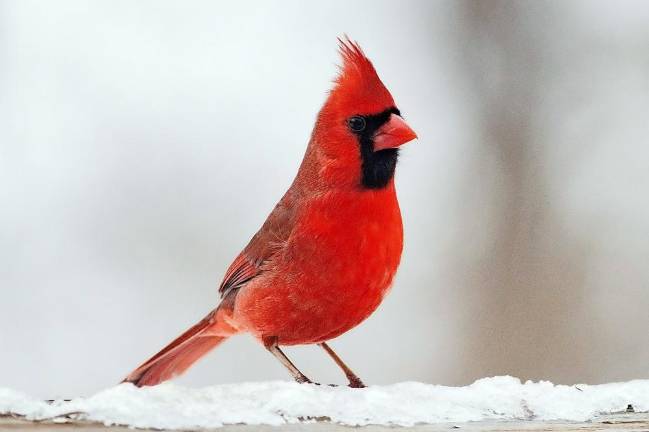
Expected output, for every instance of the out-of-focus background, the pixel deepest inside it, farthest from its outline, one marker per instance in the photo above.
(143, 143)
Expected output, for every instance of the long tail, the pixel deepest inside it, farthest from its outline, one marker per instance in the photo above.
(180, 354)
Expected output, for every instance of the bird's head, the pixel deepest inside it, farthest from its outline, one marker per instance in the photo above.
(360, 129)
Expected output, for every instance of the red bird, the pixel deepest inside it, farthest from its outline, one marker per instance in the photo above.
(328, 252)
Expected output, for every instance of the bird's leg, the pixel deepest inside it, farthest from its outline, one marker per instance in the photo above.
(271, 345)
(354, 381)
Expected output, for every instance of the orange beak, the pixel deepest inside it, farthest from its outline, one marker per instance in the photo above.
(393, 134)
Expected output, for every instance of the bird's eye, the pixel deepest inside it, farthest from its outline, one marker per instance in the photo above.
(356, 123)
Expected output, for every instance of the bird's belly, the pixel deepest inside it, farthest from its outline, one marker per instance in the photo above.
(332, 277)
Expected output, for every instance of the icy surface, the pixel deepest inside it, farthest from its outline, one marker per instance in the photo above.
(169, 406)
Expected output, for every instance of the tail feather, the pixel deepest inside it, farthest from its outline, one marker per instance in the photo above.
(179, 355)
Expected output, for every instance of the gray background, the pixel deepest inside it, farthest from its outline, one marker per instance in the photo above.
(143, 143)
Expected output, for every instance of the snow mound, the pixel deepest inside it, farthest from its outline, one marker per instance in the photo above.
(170, 406)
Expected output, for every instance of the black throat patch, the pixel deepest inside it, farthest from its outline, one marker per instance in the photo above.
(377, 167)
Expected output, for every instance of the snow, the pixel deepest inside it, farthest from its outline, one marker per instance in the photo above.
(169, 406)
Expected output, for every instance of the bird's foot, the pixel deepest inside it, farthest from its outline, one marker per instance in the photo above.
(305, 380)
(355, 382)
(302, 379)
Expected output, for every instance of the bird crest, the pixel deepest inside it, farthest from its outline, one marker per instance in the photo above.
(358, 84)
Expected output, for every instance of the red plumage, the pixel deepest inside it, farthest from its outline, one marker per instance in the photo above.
(327, 254)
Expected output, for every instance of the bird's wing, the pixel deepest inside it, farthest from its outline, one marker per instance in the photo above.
(266, 242)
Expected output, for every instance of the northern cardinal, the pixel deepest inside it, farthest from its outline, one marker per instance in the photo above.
(326, 256)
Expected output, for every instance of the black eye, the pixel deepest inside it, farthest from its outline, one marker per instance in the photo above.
(356, 123)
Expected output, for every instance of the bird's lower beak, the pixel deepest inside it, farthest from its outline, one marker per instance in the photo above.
(393, 134)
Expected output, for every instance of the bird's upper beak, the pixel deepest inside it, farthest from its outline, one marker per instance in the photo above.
(392, 134)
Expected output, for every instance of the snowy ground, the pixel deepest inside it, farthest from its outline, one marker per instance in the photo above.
(169, 406)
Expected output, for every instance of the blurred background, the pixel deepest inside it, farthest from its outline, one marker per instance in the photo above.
(143, 143)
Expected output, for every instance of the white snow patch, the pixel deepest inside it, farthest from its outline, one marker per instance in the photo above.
(169, 406)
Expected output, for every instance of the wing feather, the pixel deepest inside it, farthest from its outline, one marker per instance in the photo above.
(267, 241)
